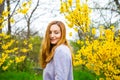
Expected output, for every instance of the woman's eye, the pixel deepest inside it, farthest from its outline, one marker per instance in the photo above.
(56, 32)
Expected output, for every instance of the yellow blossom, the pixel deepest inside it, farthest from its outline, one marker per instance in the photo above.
(70, 25)
(19, 59)
(25, 42)
(5, 46)
(15, 49)
(2, 34)
(6, 36)
(70, 34)
(101, 54)
(24, 4)
(69, 3)
(93, 31)
(1, 1)
(116, 77)
(78, 41)
(12, 20)
(1, 26)
(24, 50)
(1, 20)
(11, 61)
(5, 13)
(30, 46)
(76, 29)
(24, 11)
(64, 7)
(112, 27)
(4, 67)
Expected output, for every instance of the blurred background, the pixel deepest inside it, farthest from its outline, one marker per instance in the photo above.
(93, 30)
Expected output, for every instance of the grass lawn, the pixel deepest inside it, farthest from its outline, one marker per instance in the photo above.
(78, 75)
(19, 76)
(83, 75)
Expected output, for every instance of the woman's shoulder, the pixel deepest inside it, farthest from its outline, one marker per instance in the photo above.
(62, 47)
(62, 50)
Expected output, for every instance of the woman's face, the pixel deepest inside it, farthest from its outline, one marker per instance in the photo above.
(55, 34)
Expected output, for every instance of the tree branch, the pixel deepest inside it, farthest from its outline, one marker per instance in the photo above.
(108, 9)
(33, 10)
(117, 3)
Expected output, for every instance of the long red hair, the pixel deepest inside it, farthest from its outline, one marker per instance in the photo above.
(47, 50)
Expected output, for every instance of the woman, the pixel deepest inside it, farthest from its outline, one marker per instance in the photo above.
(56, 59)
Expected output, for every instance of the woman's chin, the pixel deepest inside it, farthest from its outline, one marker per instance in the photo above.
(53, 43)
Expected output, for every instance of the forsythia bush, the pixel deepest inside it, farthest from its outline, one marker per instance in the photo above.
(77, 14)
(101, 55)
(12, 51)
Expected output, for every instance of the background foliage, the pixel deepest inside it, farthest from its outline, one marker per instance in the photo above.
(95, 57)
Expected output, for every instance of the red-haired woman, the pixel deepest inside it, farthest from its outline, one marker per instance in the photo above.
(56, 56)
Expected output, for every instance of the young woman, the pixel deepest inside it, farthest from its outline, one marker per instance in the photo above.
(56, 56)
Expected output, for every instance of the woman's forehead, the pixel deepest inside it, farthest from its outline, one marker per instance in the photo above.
(55, 27)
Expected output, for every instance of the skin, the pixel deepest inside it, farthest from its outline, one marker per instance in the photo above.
(55, 34)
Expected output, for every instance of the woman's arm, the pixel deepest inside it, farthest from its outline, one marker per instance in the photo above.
(62, 60)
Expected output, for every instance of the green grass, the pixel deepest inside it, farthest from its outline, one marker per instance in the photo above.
(19, 76)
(83, 75)
(78, 75)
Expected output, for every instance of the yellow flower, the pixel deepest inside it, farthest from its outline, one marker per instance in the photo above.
(24, 4)
(11, 61)
(107, 32)
(6, 36)
(2, 34)
(12, 20)
(78, 41)
(19, 59)
(4, 47)
(24, 11)
(112, 27)
(7, 45)
(30, 46)
(101, 27)
(116, 77)
(76, 29)
(1, 20)
(70, 34)
(5, 13)
(1, 1)
(15, 49)
(70, 25)
(1, 61)
(93, 31)
(1, 26)
(4, 67)
(77, 1)
(64, 7)
(22, 58)
(25, 42)
(69, 3)
(24, 50)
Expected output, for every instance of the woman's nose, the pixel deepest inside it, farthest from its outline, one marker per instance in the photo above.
(52, 34)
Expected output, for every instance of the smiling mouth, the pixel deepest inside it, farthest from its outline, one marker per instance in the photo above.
(53, 39)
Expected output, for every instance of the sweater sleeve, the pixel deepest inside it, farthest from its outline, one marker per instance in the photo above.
(61, 63)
